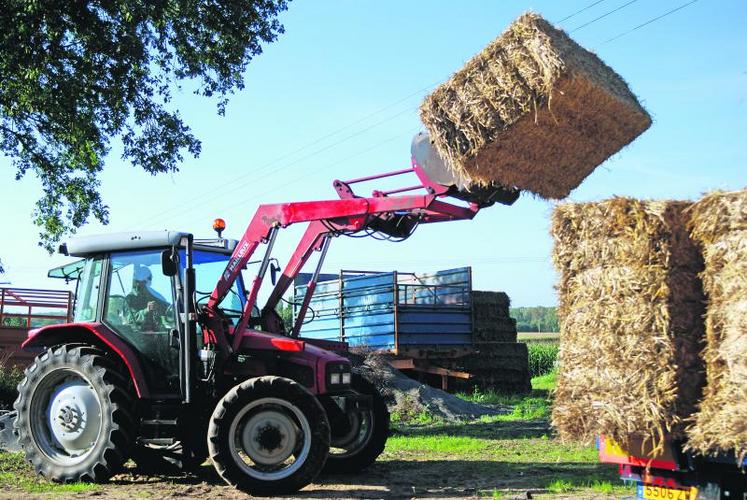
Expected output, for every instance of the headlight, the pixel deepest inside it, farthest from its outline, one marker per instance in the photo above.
(338, 375)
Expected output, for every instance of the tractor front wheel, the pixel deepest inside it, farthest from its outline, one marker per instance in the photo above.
(268, 436)
(365, 435)
(73, 419)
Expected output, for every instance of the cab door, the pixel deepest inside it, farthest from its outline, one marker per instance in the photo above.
(140, 306)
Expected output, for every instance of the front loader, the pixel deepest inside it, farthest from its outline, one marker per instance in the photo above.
(169, 356)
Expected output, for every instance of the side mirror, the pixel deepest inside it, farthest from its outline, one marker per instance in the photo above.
(274, 268)
(169, 261)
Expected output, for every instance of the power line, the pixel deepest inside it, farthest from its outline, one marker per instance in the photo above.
(602, 16)
(581, 10)
(210, 192)
(650, 21)
(253, 180)
(299, 178)
(329, 165)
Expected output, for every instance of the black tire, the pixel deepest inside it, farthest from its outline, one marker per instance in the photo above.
(283, 405)
(61, 376)
(365, 445)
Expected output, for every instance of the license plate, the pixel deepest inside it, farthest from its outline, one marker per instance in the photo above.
(661, 493)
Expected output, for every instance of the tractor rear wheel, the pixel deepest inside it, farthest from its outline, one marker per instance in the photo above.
(365, 436)
(73, 419)
(268, 436)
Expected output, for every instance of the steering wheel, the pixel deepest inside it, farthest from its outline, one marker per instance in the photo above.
(170, 310)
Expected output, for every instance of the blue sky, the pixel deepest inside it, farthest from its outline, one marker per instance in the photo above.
(336, 97)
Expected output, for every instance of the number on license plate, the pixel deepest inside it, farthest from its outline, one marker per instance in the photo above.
(660, 493)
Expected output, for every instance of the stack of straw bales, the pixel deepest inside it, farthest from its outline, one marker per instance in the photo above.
(533, 110)
(630, 320)
(718, 223)
(491, 321)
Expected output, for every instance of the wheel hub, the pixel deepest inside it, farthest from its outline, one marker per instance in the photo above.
(269, 437)
(74, 416)
(69, 418)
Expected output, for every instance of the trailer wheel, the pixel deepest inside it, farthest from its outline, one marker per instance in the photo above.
(73, 415)
(268, 436)
(368, 431)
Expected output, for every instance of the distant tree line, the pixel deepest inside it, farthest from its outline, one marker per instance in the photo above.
(535, 319)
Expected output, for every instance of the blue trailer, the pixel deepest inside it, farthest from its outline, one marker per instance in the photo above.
(390, 311)
(433, 324)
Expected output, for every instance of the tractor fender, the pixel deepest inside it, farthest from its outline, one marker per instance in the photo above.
(96, 334)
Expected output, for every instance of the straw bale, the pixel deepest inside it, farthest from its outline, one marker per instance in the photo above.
(719, 224)
(533, 110)
(623, 231)
(630, 318)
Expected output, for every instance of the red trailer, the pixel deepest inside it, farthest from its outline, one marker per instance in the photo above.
(675, 474)
(22, 309)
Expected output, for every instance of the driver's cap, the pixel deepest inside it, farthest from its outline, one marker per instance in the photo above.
(141, 273)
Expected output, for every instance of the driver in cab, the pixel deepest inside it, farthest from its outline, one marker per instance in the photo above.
(148, 306)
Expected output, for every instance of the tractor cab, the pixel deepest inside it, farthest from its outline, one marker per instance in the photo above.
(122, 285)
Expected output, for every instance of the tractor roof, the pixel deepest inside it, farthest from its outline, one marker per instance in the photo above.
(82, 246)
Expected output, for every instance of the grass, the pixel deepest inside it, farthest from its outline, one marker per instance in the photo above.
(414, 418)
(530, 406)
(15, 472)
(544, 382)
(519, 445)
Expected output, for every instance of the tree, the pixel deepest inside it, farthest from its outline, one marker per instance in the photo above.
(76, 74)
(535, 319)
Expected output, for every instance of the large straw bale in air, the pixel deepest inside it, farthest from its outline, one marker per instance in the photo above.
(534, 110)
(718, 223)
(630, 320)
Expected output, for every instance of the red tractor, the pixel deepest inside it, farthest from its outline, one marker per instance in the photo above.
(168, 356)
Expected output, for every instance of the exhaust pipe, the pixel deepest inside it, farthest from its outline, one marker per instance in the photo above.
(424, 154)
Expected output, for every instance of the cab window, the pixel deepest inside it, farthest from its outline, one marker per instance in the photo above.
(209, 267)
(87, 294)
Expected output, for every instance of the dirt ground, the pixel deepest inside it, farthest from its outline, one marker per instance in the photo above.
(400, 474)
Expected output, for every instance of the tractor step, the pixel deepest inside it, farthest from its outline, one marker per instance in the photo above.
(159, 422)
(157, 441)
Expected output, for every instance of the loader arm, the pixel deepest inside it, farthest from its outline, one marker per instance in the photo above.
(384, 211)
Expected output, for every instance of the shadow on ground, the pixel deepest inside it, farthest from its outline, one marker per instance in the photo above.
(394, 478)
(525, 429)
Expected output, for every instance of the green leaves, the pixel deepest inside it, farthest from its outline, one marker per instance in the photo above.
(75, 75)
